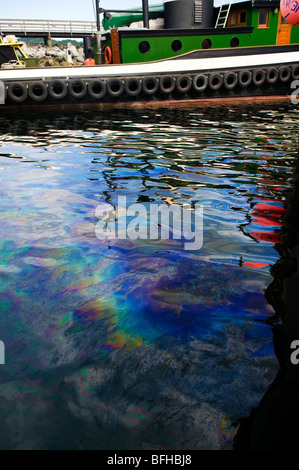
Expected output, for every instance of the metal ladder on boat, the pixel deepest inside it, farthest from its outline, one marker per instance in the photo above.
(223, 15)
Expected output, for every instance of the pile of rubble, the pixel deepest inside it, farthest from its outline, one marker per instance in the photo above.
(58, 55)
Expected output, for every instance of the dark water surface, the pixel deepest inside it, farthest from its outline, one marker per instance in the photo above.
(138, 344)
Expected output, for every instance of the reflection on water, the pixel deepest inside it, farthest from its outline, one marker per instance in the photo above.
(140, 344)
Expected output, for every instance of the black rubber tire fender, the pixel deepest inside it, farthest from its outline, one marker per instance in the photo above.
(245, 83)
(150, 85)
(167, 84)
(112, 82)
(43, 91)
(17, 92)
(272, 75)
(94, 86)
(133, 86)
(258, 77)
(184, 83)
(77, 84)
(295, 72)
(215, 81)
(230, 80)
(58, 89)
(200, 82)
(285, 73)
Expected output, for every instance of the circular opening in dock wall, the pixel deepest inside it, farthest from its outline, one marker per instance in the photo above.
(144, 47)
(206, 43)
(176, 45)
(234, 42)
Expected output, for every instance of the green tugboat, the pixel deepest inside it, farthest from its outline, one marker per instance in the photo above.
(196, 25)
(185, 53)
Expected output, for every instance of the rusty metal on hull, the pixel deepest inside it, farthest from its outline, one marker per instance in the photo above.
(166, 104)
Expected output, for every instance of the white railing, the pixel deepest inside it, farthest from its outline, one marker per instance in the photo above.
(47, 27)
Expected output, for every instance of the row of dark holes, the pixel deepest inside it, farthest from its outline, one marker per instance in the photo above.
(176, 45)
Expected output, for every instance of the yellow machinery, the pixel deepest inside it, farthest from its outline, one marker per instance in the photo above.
(11, 53)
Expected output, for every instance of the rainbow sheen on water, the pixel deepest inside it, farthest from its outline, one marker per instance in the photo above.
(121, 344)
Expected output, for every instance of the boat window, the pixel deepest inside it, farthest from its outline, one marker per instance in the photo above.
(176, 45)
(237, 18)
(144, 47)
(232, 21)
(263, 18)
(19, 53)
(7, 53)
(243, 18)
(206, 43)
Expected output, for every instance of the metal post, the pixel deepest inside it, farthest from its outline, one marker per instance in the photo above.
(49, 40)
(145, 14)
(98, 34)
(87, 47)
